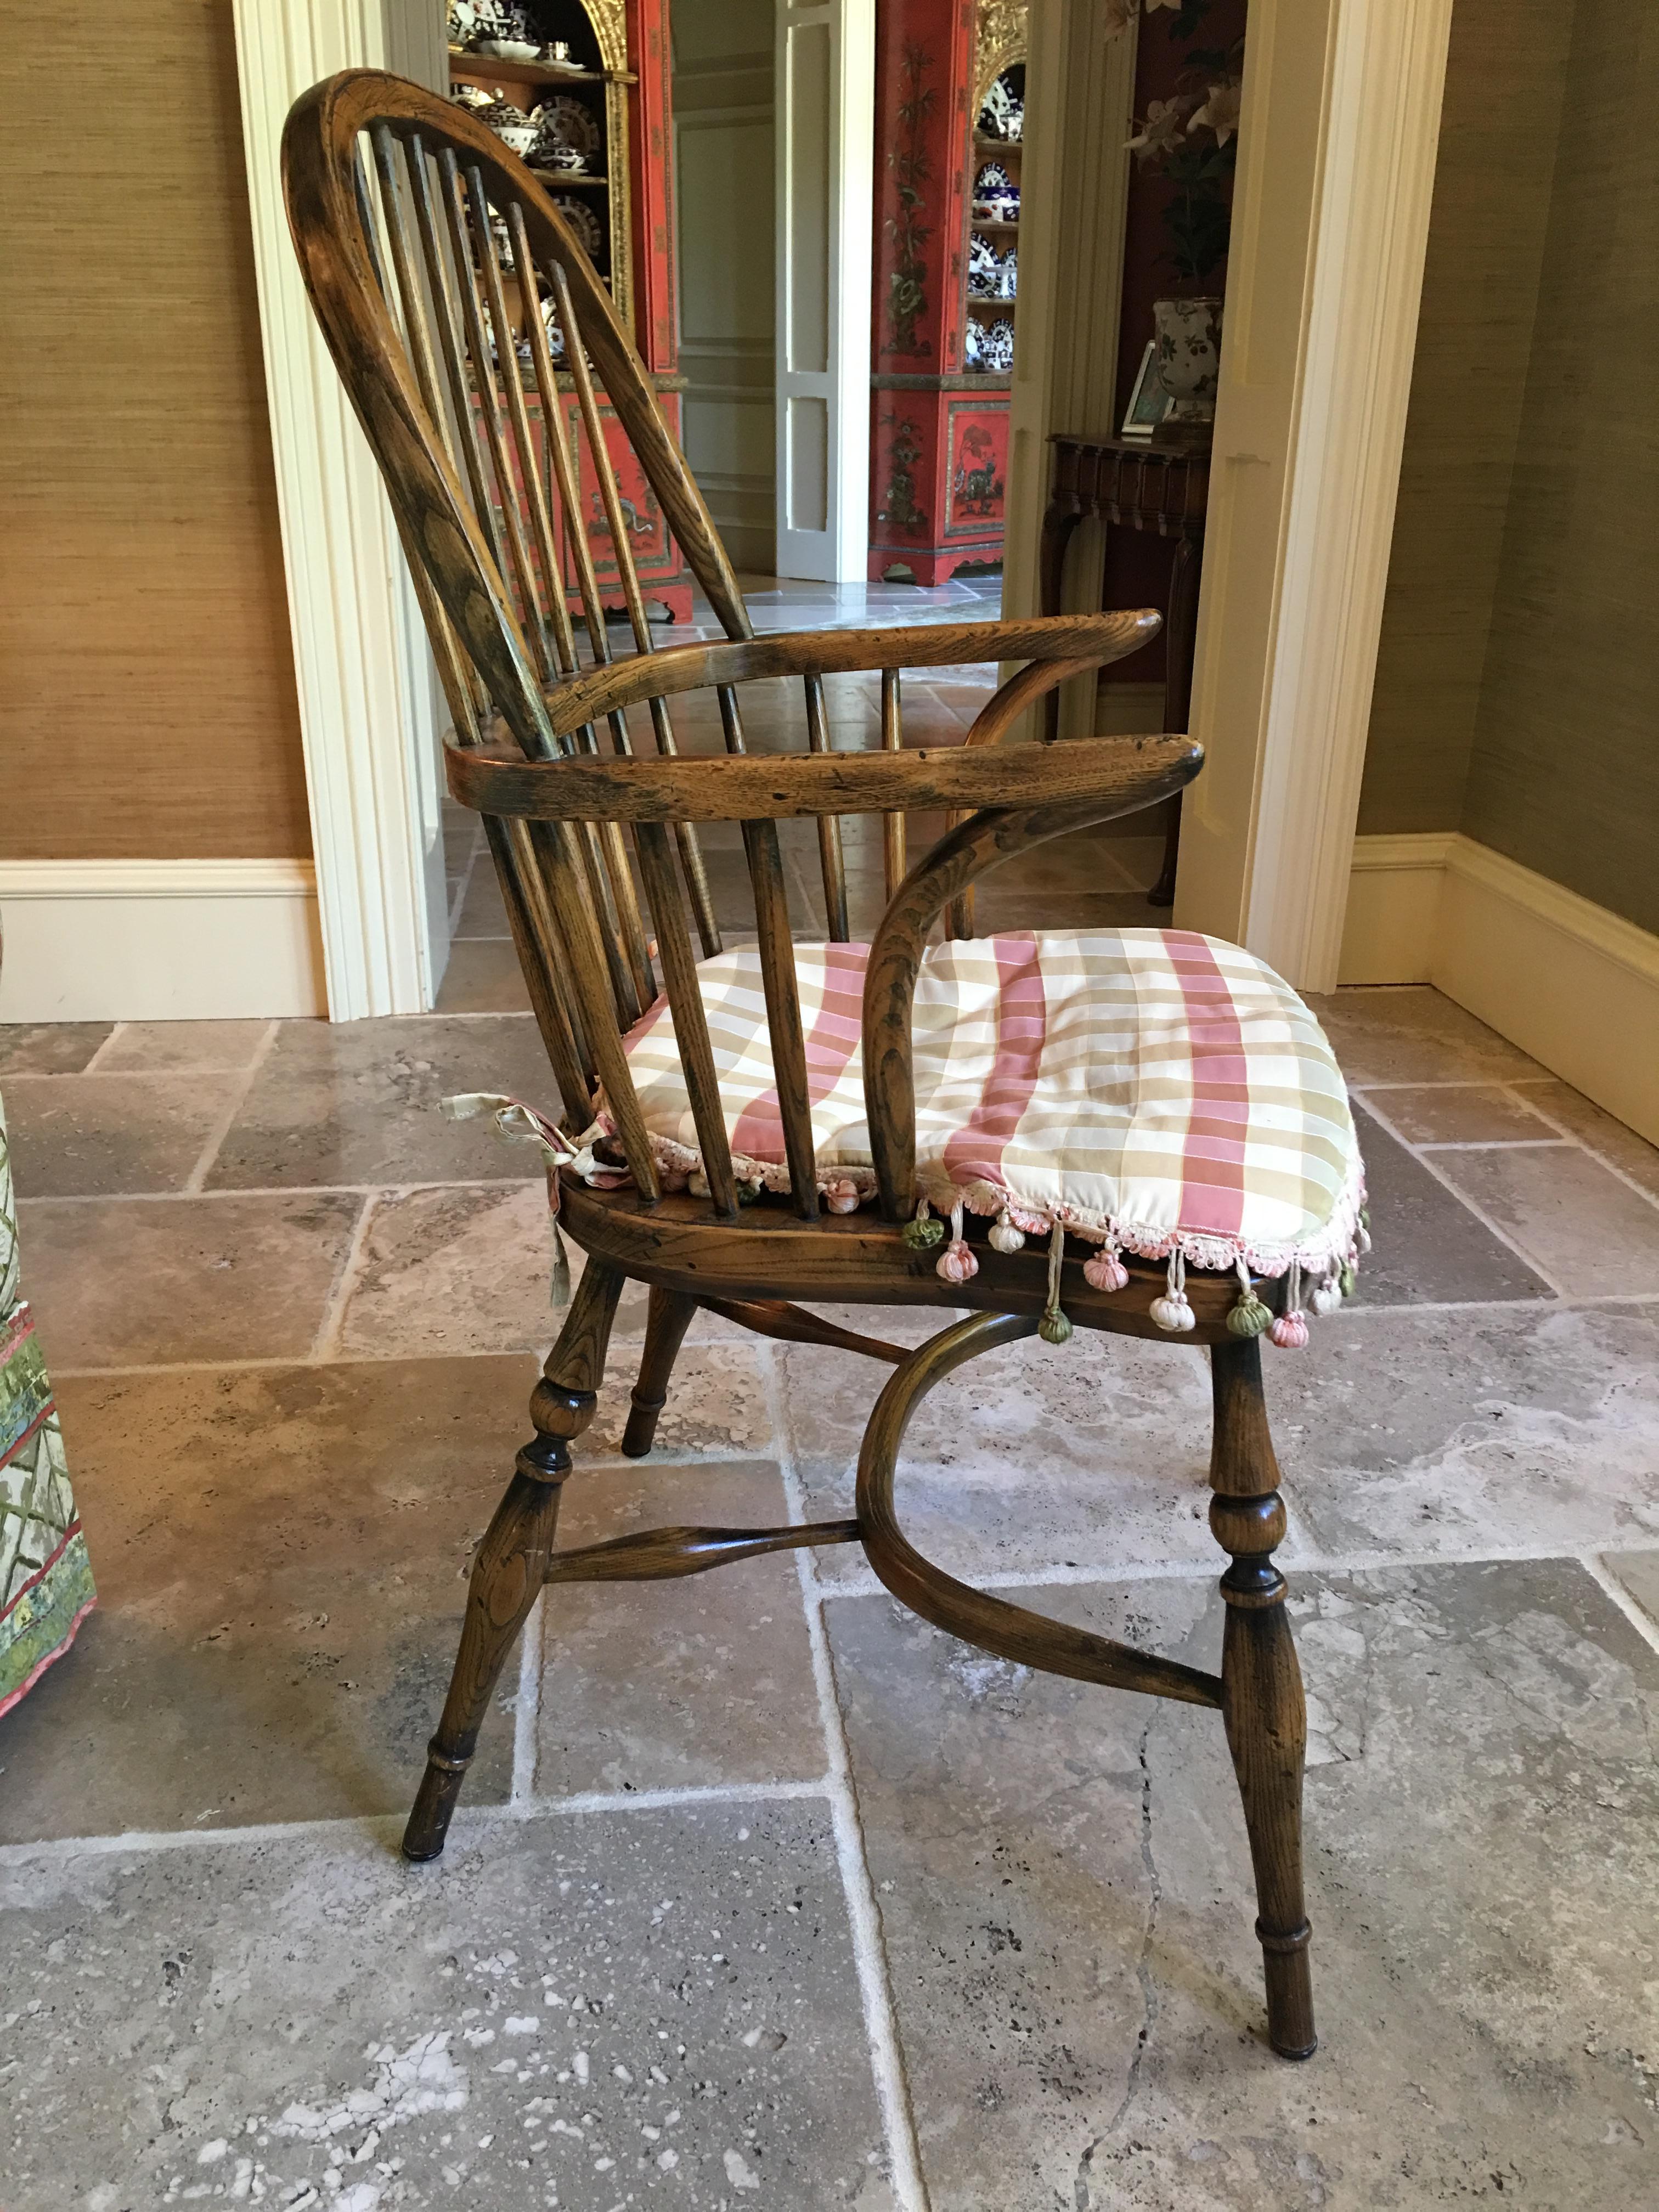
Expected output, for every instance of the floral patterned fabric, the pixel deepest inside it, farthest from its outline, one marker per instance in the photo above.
(45, 1577)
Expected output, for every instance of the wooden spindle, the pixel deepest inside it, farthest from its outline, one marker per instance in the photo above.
(567, 477)
(506, 506)
(556, 849)
(527, 920)
(679, 969)
(777, 957)
(662, 727)
(831, 861)
(443, 284)
(892, 825)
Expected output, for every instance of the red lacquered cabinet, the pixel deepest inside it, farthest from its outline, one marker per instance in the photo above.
(939, 420)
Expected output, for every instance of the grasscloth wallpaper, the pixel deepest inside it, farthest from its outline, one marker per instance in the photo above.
(1515, 681)
(148, 682)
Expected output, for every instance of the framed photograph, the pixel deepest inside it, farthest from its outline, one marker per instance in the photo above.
(1149, 403)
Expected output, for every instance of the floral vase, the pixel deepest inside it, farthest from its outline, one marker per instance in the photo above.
(1188, 334)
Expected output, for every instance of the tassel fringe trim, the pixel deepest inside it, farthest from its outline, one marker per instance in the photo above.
(1329, 1258)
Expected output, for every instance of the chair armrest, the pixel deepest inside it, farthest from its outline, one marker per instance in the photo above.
(1110, 776)
(1089, 640)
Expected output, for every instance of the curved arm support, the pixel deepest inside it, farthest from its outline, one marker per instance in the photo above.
(1091, 640)
(1011, 1631)
(1149, 769)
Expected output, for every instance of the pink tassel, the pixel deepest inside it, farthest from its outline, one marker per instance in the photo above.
(1290, 1331)
(956, 1263)
(1105, 1272)
(841, 1197)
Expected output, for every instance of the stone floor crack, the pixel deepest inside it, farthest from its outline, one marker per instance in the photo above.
(1083, 2196)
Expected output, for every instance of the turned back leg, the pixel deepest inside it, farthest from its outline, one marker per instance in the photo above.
(1261, 1686)
(510, 1565)
(667, 1319)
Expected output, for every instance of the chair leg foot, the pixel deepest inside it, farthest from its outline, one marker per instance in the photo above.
(668, 1318)
(1262, 1705)
(510, 1565)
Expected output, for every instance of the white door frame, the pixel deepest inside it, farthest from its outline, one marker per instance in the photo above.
(1337, 144)
(825, 98)
(368, 710)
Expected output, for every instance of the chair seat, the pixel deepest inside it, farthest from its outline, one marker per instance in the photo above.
(1156, 1089)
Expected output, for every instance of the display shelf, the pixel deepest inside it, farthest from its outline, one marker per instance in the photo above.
(495, 68)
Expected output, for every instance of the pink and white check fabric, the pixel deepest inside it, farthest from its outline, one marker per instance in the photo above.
(1156, 1088)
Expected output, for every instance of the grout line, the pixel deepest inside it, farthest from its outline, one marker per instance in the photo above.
(326, 1343)
(1584, 1145)
(864, 1915)
(1292, 1556)
(114, 1033)
(1464, 1199)
(285, 1190)
(199, 1174)
(1495, 1143)
(526, 1710)
(464, 883)
(1609, 1583)
(392, 1824)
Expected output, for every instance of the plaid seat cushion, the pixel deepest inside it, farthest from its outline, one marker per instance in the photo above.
(1153, 1089)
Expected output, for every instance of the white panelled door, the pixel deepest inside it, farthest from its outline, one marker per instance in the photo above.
(825, 123)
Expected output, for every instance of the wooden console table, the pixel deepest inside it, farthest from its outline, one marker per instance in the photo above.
(1132, 485)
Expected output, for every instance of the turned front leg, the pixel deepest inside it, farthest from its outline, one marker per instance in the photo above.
(1262, 1705)
(510, 1565)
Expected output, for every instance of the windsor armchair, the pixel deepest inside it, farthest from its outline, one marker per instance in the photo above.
(783, 1120)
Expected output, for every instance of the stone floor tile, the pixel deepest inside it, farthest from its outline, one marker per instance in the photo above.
(1639, 1573)
(282, 1556)
(357, 1103)
(717, 1403)
(1415, 1035)
(1458, 1114)
(656, 1686)
(467, 1267)
(1032, 1456)
(462, 1268)
(1005, 907)
(1426, 1246)
(133, 1282)
(483, 912)
(1609, 1140)
(1591, 1233)
(1471, 1432)
(1066, 1905)
(95, 1136)
(482, 976)
(644, 2005)
(157, 1047)
(48, 1047)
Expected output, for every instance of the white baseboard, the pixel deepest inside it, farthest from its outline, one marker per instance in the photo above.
(1573, 985)
(159, 941)
(1394, 908)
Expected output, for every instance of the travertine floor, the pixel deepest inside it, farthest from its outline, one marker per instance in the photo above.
(763, 1893)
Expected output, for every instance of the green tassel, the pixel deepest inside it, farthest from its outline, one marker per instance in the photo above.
(921, 1235)
(1249, 1316)
(1054, 1328)
(1348, 1278)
